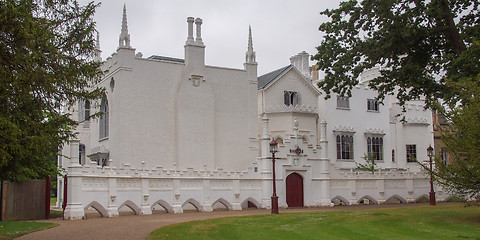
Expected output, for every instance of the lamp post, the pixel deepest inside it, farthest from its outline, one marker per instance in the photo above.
(273, 150)
(432, 193)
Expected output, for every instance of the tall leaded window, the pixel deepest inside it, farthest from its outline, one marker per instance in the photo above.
(444, 156)
(104, 119)
(344, 147)
(411, 152)
(343, 102)
(87, 110)
(290, 98)
(81, 154)
(372, 105)
(83, 110)
(375, 147)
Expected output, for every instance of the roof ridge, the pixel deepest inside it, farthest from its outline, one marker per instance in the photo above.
(267, 78)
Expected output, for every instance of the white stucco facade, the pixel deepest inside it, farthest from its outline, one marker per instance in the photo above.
(176, 132)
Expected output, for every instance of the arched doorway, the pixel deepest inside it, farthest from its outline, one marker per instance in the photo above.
(294, 190)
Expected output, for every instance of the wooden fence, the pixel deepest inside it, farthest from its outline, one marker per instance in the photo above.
(25, 200)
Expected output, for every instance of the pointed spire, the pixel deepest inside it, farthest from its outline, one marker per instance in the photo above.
(124, 39)
(98, 52)
(250, 55)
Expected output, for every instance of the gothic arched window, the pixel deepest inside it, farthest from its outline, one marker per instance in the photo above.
(104, 119)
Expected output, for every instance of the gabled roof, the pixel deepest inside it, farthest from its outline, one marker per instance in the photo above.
(265, 79)
(168, 59)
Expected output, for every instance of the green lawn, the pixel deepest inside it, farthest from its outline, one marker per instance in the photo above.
(438, 222)
(12, 229)
(53, 201)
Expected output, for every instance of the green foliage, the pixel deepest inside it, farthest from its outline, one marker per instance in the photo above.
(370, 164)
(413, 41)
(461, 176)
(440, 222)
(46, 64)
(10, 230)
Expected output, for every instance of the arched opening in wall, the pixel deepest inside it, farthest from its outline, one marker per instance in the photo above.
(221, 205)
(128, 208)
(125, 211)
(339, 201)
(367, 200)
(294, 190)
(218, 206)
(422, 199)
(395, 199)
(94, 210)
(191, 205)
(279, 140)
(250, 203)
(189, 208)
(160, 207)
(453, 199)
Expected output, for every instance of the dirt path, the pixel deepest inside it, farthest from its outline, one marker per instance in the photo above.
(140, 226)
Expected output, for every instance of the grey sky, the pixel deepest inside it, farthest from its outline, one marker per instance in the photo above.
(280, 29)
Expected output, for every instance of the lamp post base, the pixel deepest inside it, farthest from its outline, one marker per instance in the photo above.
(432, 199)
(274, 204)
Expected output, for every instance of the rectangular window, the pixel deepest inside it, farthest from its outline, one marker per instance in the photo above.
(375, 147)
(411, 152)
(344, 147)
(87, 110)
(83, 110)
(290, 98)
(81, 154)
(372, 105)
(343, 102)
(444, 157)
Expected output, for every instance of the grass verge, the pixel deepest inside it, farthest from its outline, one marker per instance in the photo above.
(13, 229)
(439, 222)
(53, 201)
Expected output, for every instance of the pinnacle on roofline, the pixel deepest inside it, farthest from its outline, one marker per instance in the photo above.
(124, 38)
(98, 52)
(250, 54)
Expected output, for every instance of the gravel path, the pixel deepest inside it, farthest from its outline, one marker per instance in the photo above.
(140, 226)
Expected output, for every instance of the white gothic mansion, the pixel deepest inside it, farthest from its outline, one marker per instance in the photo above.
(178, 134)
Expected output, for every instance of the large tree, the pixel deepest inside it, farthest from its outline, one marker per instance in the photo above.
(461, 176)
(47, 49)
(421, 47)
(426, 49)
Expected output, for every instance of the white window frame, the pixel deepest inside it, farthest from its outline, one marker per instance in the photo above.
(104, 119)
(374, 142)
(343, 102)
(291, 98)
(344, 147)
(408, 152)
(373, 105)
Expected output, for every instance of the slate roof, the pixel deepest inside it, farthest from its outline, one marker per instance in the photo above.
(169, 59)
(265, 79)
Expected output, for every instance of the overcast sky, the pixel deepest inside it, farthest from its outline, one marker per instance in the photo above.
(280, 28)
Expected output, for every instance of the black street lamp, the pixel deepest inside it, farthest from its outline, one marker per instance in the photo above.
(273, 150)
(432, 193)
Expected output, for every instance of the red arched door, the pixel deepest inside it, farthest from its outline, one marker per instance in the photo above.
(294, 190)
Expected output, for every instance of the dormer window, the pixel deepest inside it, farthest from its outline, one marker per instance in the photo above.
(290, 98)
